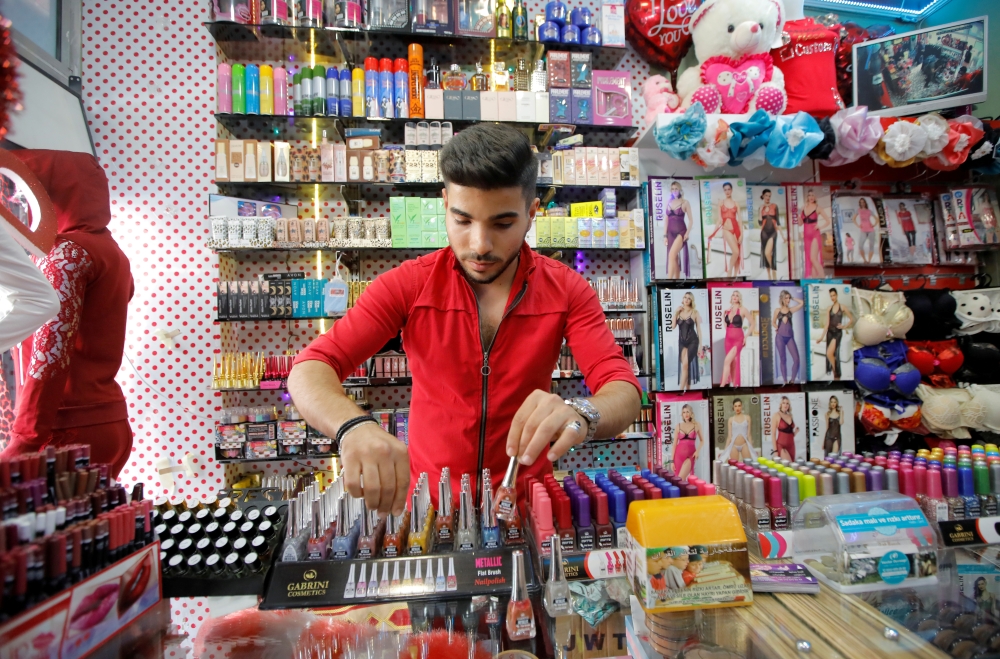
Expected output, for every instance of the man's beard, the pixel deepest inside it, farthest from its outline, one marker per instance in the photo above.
(475, 278)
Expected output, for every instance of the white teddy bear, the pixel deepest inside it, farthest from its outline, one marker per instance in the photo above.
(736, 75)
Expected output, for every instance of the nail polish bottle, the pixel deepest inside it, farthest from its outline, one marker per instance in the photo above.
(429, 578)
(344, 545)
(520, 618)
(444, 526)
(542, 527)
(556, 595)
(395, 586)
(316, 549)
(949, 484)
(372, 534)
(603, 529)
(994, 468)
(373, 582)
(407, 585)
(440, 584)
(760, 520)
(383, 585)
(491, 530)
(932, 501)
(362, 588)
(967, 492)
(465, 536)
(585, 536)
(505, 501)
(350, 587)
(792, 502)
(779, 514)
(564, 523)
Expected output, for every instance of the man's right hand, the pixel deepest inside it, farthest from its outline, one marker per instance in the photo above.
(371, 454)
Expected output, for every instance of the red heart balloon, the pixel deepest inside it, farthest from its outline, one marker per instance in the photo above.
(659, 30)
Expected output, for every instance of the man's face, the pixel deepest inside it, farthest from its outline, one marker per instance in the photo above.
(486, 228)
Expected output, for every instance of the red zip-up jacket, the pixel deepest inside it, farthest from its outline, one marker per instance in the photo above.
(465, 394)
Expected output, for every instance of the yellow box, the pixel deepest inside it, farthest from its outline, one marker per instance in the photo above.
(571, 225)
(543, 231)
(558, 231)
(587, 209)
(668, 537)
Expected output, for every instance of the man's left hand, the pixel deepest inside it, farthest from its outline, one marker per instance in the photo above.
(540, 421)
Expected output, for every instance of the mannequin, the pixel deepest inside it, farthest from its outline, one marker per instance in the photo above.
(67, 392)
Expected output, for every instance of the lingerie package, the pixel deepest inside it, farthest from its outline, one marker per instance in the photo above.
(783, 342)
(831, 320)
(735, 335)
(831, 422)
(736, 427)
(684, 440)
(783, 427)
(685, 339)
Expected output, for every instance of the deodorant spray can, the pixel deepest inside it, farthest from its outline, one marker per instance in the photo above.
(371, 88)
(332, 92)
(345, 92)
(385, 82)
(280, 91)
(297, 93)
(266, 89)
(305, 91)
(253, 89)
(358, 91)
(401, 91)
(224, 87)
(239, 89)
(319, 91)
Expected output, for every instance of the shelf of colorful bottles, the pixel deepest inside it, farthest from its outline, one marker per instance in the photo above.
(325, 583)
(323, 40)
(542, 250)
(408, 186)
(289, 126)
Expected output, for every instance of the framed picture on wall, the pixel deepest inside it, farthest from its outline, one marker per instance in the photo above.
(938, 67)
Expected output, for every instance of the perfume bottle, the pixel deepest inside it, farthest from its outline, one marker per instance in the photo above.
(519, 19)
(539, 77)
(500, 79)
(522, 79)
(505, 504)
(479, 82)
(556, 596)
(504, 30)
(454, 79)
(520, 619)
(433, 76)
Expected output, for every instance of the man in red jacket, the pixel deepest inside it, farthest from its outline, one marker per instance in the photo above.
(483, 323)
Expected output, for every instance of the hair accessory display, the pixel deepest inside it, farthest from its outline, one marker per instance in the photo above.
(749, 137)
(856, 135)
(902, 142)
(713, 151)
(823, 150)
(963, 133)
(680, 137)
(937, 361)
(792, 138)
(882, 316)
(936, 128)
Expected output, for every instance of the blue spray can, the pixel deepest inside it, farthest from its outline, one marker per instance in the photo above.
(345, 92)
(332, 92)
(385, 81)
(371, 88)
(253, 88)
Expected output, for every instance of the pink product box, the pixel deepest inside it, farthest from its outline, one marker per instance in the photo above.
(612, 100)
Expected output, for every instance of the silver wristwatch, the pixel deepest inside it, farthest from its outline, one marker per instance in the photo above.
(586, 409)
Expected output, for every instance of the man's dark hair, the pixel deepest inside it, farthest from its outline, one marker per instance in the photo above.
(490, 157)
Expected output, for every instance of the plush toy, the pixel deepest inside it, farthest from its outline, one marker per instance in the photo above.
(736, 75)
(659, 97)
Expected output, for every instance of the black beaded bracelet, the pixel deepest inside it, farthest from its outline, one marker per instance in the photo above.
(350, 424)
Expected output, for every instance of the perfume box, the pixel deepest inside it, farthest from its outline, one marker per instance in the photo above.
(282, 162)
(452, 104)
(488, 106)
(559, 69)
(580, 69)
(236, 161)
(613, 23)
(250, 161)
(582, 106)
(471, 101)
(569, 167)
(543, 230)
(612, 98)
(434, 104)
(443, 22)
(475, 19)
(507, 106)
(545, 168)
(263, 162)
(557, 168)
(542, 107)
(525, 106)
(559, 105)
(222, 160)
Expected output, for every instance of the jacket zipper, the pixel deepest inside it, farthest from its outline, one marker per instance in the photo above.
(485, 370)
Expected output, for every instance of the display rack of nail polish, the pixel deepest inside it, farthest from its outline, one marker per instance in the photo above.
(324, 583)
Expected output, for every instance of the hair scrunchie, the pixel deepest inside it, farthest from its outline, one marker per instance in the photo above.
(857, 134)
(713, 150)
(679, 138)
(902, 142)
(749, 136)
(936, 128)
(793, 137)
(963, 133)
(823, 150)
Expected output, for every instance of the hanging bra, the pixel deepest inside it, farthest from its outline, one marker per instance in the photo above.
(883, 368)
(982, 360)
(975, 310)
(933, 313)
(949, 413)
(882, 315)
(937, 361)
(989, 396)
